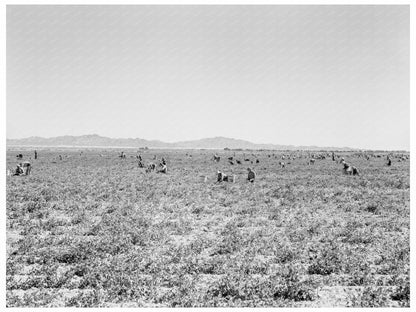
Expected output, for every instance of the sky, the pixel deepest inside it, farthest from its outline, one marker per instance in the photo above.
(300, 75)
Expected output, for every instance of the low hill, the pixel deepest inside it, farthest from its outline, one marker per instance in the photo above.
(95, 140)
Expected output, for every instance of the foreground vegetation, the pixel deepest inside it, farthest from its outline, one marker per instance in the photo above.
(95, 230)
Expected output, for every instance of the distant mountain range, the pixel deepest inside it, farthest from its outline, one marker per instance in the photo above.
(95, 140)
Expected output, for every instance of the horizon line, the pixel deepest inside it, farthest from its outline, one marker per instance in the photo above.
(200, 148)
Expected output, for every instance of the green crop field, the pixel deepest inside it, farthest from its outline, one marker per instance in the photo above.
(94, 230)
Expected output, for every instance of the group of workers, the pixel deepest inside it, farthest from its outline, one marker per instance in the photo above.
(25, 167)
(162, 168)
(222, 177)
(22, 169)
(348, 169)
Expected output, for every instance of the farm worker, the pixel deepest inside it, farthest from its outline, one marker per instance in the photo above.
(221, 176)
(36, 154)
(19, 170)
(164, 169)
(346, 166)
(26, 168)
(348, 170)
(355, 171)
(251, 175)
(150, 167)
(351, 170)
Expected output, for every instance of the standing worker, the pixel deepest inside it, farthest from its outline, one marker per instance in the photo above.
(388, 160)
(36, 154)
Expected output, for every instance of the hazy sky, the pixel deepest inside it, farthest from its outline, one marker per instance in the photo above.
(301, 75)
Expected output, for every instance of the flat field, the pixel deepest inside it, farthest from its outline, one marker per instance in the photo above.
(94, 230)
